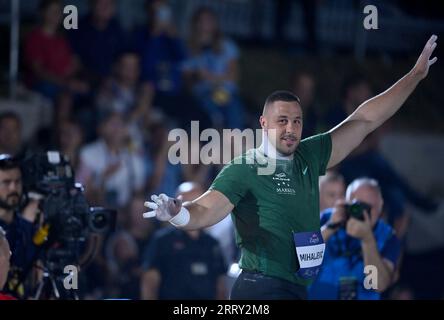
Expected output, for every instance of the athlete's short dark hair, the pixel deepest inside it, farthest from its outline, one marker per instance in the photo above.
(281, 95)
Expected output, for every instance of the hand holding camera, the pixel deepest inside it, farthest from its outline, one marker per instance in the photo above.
(354, 216)
(360, 229)
(338, 216)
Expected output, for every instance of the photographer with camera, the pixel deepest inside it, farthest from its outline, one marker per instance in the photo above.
(356, 237)
(19, 230)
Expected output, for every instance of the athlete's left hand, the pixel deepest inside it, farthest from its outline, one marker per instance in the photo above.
(424, 62)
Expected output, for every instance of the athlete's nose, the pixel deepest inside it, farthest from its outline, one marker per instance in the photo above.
(290, 127)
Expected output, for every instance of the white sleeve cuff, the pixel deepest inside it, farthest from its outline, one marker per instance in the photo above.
(181, 219)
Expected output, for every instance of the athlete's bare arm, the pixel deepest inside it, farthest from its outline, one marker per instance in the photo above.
(205, 211)
(371, 114)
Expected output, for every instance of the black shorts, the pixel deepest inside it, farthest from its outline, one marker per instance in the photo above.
(257, 286)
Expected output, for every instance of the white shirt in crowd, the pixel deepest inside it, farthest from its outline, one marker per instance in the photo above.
(130, 176)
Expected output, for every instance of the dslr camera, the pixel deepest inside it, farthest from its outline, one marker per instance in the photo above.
(356, 210)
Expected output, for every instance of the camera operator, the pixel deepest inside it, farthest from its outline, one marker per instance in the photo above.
(356, 237)
(19, 231)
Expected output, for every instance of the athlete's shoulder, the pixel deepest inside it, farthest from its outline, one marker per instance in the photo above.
(316, 148)
(315, 139)
(251, 158)
(238, 170)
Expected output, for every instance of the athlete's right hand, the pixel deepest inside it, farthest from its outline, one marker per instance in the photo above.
(164, 207)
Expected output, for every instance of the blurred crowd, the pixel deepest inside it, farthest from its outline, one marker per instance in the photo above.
(116, 94)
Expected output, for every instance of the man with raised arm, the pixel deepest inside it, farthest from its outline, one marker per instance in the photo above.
(276, 216)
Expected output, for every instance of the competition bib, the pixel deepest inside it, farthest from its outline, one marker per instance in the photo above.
(310, 248)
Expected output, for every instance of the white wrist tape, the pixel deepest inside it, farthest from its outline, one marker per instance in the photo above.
(181, 219)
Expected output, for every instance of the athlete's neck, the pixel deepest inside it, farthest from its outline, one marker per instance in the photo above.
(268, 149)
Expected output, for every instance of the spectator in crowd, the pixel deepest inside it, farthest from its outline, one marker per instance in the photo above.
(206, 169)
(355, 90)
(222, 231)
(182, 264)
(199, 173)
(140, 229)
(282, 18)
(304, 86)
(161, 49)
(94, 277)
(109, 169)
(354, 242)
(63, 107)
(331, 189)
(68, 109)
(99, 40)
(5, 256)
(123, 93)
(18, 225)
(49, 57)
(162, 53)
(10, 134)
(212, 71)
(122, 256)
(70, 138)
(165, 175)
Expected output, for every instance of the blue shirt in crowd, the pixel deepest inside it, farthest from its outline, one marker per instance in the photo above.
(161, 59)
(214, 62)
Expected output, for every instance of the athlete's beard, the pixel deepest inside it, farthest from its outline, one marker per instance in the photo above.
(5, 205)
(270, 150)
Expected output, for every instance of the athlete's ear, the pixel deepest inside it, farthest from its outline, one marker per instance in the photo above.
(263, 122)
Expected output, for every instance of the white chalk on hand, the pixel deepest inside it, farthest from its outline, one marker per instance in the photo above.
(149, 214)
(151, 205)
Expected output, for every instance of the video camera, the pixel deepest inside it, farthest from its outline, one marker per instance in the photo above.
(68, 220)
(51, 177)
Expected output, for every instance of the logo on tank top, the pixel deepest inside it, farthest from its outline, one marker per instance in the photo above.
(282, 183)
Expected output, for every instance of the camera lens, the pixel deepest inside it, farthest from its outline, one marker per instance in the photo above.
(101, 220)
(355, 209)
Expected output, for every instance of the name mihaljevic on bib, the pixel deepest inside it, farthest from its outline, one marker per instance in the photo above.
(310, 249)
